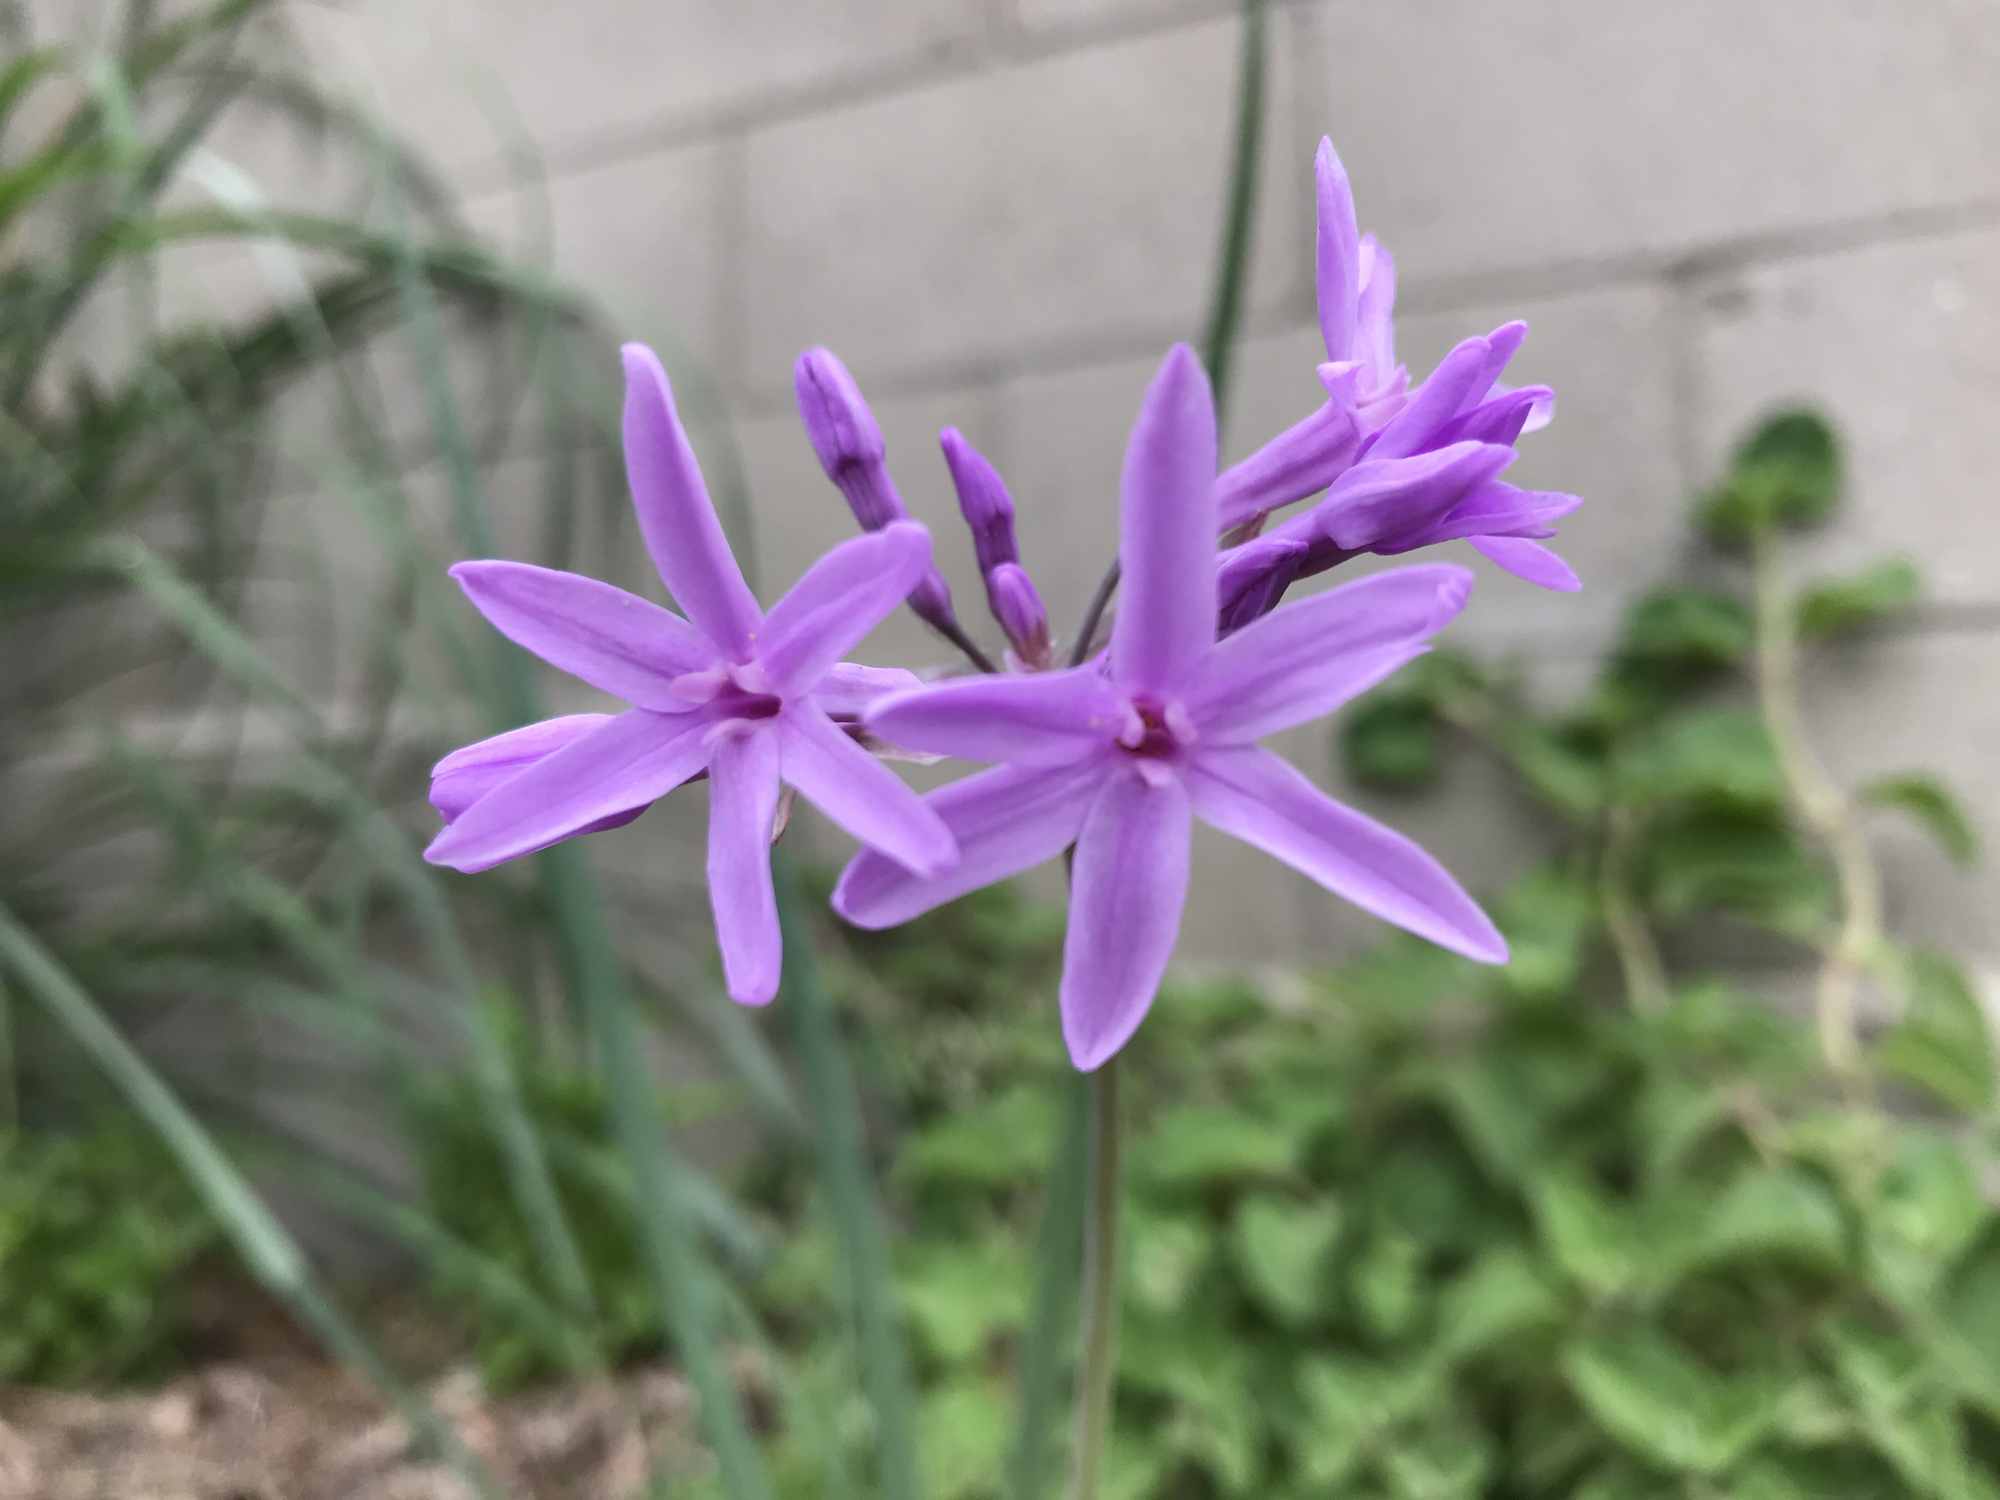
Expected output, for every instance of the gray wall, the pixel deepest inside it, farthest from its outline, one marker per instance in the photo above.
(999, 211)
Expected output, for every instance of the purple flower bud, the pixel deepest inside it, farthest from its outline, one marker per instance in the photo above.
(1015, 604)
(846, 439)
(848, 443)
(1253, 578)
(982, 500)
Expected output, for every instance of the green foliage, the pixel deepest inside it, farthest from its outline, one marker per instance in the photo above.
(98, 1236)
(1786, 473)
(1878, 594)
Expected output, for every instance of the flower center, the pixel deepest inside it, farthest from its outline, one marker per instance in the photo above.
(1155, 730)
(735, 691)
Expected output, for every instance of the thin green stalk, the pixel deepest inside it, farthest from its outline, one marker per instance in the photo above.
(834, 1108)
(1096, 1371)
(10, 1090)
(1047, 1336)
(272, 1255)
(1823, 807)
(1225, 313)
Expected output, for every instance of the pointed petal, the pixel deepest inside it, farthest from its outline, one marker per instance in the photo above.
(1253, 795)
(625, 645)
(469, 773)
(1300, 461)
(850, 689)
(1385, 499)
(842, 597)
(1529, 560)
(1127, 890)
(859, 793)
(1501, 418)
(743, 772)
(1461, 378)
(636, 758)
(1037, 718)
(676, 518)
(1167, 524)
(1312, 655)
(1499, 510)
(1005, 820)
(1374, 326)
(1337, 262)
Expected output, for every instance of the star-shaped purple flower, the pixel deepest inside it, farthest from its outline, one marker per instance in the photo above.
(1119, 756)
(749, 698)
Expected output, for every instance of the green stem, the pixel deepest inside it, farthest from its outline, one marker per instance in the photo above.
(1096, 1375)
(1823, 807)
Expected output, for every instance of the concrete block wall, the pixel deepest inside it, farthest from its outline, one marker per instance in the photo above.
(1000, 211)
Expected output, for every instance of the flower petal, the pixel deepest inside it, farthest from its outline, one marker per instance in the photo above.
(625, 645)
(1166, 541)
(842, 597)
(1036, 718)
(636, 758)
(849, 688)
(1386, 499)
(1127, 890)
(1253, 795)
(1005, 820)
(743, 772)
(1337, 259)
(1302, 460)
(676, 517)
(1374, 322)
(1461, 378)
(470, 772)
(1312, 655)
(1529, 560)
(859, 793)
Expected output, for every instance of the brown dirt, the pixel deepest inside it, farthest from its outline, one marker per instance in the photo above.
(298, 1429)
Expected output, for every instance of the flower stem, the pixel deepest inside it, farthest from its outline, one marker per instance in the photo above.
(1096, 1372)
(1823, 807)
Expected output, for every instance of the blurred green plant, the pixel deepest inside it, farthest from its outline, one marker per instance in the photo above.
(1608, 1222)
(98, 1234)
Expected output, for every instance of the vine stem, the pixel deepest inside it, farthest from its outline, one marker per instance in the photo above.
(1099, 1359)
(1823, 807)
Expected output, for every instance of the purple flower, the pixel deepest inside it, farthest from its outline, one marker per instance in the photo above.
(1121, 755)
(749, 698)
(848, 443)
(1389, 458)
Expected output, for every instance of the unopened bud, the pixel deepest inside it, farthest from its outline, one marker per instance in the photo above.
(1254, 577)
(1015, 604)
(983, 501)
(845, 438)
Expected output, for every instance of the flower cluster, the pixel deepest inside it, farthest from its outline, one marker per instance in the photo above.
(1112, 757)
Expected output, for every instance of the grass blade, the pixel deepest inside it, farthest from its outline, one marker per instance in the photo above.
(834, 1108)
(273, 1257)
(1051, 1320)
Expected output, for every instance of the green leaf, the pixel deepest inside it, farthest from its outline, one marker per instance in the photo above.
(1753, 867)
(1688, 628)
(1166, 1253)
(1563, 774)
(1548, 918)
(1386, 1283)
(999, 1141)
(1597, 1242)
(1392, 742)
(1502, 1298)
(1786, 473)
(1199, 1144)
(962, 1434)
(1711, 756)
(1931, 803)
(1944, 1043)
(961, 1296)
(1667, 1407)
(1446, 1460)
(1836, 606)
(1926, 1211)
(1282, 1248)
(1768, 1214)
(1351, 1404)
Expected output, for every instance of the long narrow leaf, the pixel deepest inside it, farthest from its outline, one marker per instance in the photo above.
(273, 1257)
(842, 1157)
